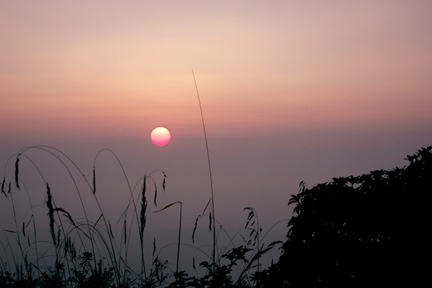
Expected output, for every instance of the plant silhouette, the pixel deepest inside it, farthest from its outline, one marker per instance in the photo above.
(358, 231)
(368, 230)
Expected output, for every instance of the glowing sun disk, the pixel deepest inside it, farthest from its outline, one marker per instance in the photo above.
(160, 136)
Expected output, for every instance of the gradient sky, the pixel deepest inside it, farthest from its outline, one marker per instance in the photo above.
(290, 90)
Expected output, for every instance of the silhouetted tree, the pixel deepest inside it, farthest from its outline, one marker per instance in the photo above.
(360, 231)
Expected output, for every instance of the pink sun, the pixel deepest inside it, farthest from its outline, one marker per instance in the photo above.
(160, 136)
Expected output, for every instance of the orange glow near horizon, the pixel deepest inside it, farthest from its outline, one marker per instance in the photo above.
(120, 69)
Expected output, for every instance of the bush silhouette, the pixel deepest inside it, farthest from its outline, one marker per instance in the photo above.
(358, 231)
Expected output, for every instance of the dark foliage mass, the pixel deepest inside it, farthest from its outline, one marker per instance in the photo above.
(359, 231)
(365, 231)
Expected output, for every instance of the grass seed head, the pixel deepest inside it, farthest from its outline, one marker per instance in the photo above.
(50, 214)
(17, 172)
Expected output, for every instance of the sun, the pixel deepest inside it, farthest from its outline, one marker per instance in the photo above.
(160, 136)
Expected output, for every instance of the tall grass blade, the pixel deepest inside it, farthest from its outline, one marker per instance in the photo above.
(28, 223)
(110, 230)
(94, 180)
(209, 168)
(100, 217)
(17, 172)
(195, 227)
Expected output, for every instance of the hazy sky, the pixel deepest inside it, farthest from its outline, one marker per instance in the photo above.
(290, 90)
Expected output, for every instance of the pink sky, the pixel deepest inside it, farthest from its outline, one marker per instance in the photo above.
(291, 90)
(280, 65)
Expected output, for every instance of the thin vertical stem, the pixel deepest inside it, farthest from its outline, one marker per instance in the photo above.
(179, 233)
(179, 237)
(210, 173)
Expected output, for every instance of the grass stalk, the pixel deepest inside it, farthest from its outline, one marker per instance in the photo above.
(179, 233)
(143, 223)
(210, 174)
(63, 229)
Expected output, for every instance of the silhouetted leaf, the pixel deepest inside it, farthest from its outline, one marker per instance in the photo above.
(155, 195)
(166, 207)
(195, 227)
(2, 186)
